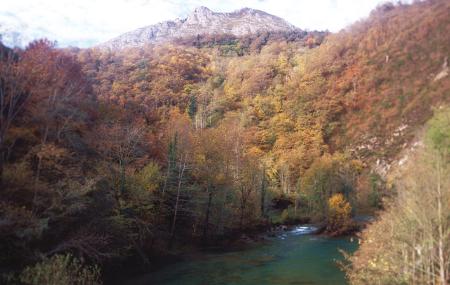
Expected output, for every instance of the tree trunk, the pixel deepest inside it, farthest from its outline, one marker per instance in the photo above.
(121, 189)
(2, 161)
(141, 254)
(243, 204)
(220, 223)
(206, 225)
(36, 181)
(442, 277)
(39, 165)
(180, 178)
(122, 179)
(263, 193)
(241, 220)
(167, 177)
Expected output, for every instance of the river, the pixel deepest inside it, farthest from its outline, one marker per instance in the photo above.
(294, 257)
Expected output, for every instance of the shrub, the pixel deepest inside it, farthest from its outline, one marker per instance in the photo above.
(61, 270)
(284, 216)
(339, 214)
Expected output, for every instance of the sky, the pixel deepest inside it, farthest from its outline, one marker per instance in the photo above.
(86, 23)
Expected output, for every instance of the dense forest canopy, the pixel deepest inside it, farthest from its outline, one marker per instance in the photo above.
(108, 156)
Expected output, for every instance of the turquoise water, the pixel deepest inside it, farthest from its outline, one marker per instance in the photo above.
(291, 258)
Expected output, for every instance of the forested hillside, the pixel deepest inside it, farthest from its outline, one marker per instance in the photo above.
(129, 155)
(410, 242)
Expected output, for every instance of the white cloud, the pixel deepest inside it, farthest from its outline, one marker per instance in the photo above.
(87, 22)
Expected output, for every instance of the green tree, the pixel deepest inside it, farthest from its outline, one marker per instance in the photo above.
(192, 107)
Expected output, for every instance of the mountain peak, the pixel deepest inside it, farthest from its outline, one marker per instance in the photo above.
(202, 10)
(203, 21)
(199, 14)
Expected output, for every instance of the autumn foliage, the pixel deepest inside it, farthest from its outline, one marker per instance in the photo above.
(112, 156)
(339, 214)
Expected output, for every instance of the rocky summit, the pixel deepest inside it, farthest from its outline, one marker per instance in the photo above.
(203, 21)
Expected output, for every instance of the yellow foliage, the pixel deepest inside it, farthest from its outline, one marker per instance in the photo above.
(339, 211)
(338, 206)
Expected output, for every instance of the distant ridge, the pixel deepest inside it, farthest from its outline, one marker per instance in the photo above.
(203, 21)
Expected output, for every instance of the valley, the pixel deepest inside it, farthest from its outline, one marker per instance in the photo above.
(147, 158)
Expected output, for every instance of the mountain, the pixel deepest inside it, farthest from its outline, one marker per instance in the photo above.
(10, 35)
(203, 21)
(365, 90)
(15, 32)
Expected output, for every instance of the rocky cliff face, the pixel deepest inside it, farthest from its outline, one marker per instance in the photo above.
(203, 21)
